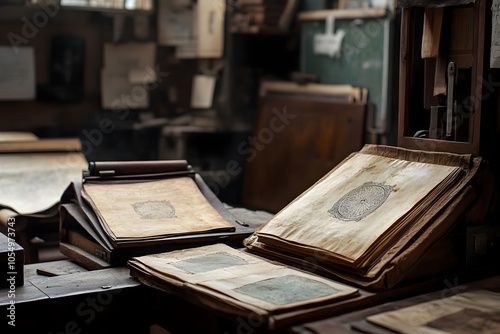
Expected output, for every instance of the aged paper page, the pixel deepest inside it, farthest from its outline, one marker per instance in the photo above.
(201, 264)
(469, 312)
(352, 206)
(230, 274)
(32, 183)
(153, 209)
(279, 289)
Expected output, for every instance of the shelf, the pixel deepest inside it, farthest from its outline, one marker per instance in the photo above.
(12, 12)
(342, 14)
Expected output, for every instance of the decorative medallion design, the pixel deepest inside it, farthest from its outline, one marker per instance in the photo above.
(361, 201)
(154, 209)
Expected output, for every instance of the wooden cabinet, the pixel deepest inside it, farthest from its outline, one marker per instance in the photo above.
(297, 141)
(462, 41)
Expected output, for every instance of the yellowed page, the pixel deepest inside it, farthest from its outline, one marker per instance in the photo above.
(352, 206)
(469, 312)
(32, 183)
(153, 209)
(279, 289)
(232, 275)
(201, 264)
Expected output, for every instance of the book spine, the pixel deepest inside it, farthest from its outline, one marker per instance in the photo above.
(76, 239)
(81, 258)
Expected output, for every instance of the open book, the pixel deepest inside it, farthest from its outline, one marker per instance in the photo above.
(152, 209)
(234, 281)
(124, 209)
(369, 224)
(359, 217)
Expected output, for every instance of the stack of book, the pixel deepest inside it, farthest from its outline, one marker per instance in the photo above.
(368, 224)
(125, 209)
(257, 15)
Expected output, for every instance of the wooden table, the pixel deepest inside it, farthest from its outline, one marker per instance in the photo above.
(111, 301)
(75, 301)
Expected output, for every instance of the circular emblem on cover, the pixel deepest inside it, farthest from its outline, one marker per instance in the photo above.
(360, 202)
(154, 209)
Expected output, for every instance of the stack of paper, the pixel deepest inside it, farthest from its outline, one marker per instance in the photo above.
(132, 208)
(364, 213)
(35, 172)
(155, 209)
(474, 311)
(234, 281)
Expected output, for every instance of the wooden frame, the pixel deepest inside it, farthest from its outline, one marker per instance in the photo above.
(472, 146)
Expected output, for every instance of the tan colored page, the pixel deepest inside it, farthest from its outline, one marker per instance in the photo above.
(201, 264)
(279, 289)
(33, 183)
(470, 312)
(234, 276)
(355, 204)
(153, 209)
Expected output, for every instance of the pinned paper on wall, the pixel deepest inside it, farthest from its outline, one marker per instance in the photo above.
(176, 22)
(329, 43)
(195, 28)
(202, 93)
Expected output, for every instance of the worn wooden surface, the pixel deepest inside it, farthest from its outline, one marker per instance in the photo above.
(77, 301)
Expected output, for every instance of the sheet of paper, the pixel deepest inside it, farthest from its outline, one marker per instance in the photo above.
(210, 25)
(469, 312)
(495, 35)
(32, 183)
(204, 263)
(153, 209)
(17, 73)
(202, 93)
(329, 43)
(176, 23)
(232, 275)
